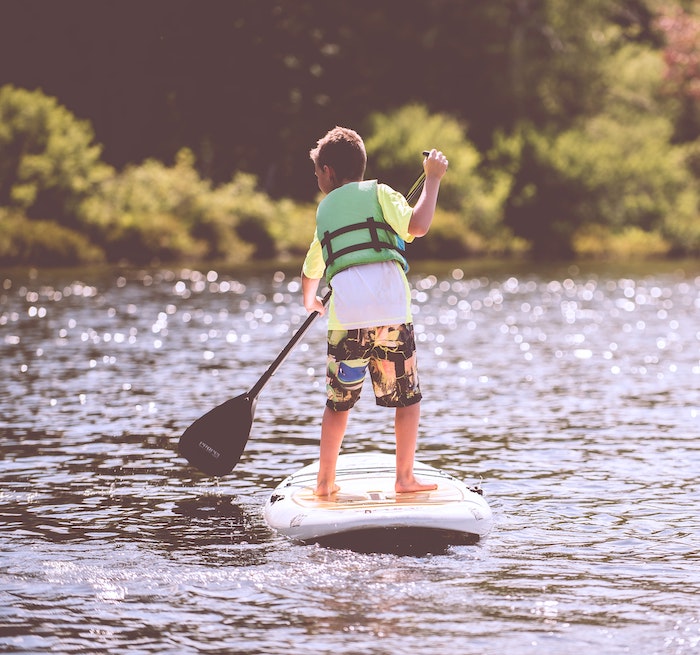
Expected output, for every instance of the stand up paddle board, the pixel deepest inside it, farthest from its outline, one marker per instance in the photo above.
(368, 514)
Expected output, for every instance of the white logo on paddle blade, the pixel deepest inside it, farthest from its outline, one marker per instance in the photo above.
(211, 451)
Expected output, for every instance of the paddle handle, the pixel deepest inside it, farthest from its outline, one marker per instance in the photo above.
(257, 388)
(417, 185)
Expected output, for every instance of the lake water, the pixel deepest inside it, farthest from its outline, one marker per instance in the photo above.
(572, 394)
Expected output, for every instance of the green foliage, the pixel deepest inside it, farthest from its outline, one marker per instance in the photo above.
(148, 212)
(150, 238)
(555, 54)
(449, 238)
(490, 64)
(148, 189)
(594, 241)
(48, 161)
(618, 169)
(682, 228)
(605, 172)
(154, 212)
(629, 173)
(26, 241)
(396, 140)
(293, 227)
(582, 124)
(250, 212)
(634, 79)
(474, 193)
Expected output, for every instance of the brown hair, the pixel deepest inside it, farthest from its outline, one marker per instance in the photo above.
(344, 151)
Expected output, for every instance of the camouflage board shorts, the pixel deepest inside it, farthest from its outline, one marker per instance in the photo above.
(390, 354)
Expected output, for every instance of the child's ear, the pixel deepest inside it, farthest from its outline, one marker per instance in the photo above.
(330, 171)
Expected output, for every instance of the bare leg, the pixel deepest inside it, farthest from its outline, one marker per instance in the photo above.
(406, 427)
(332, 433)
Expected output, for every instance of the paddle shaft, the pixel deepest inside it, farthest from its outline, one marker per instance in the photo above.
(257, 388)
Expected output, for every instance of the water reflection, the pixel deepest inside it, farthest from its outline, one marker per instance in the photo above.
(573, 395)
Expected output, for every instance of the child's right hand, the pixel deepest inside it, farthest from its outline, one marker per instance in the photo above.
(435, 164)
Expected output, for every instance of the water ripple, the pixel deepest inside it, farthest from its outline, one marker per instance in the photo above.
(572, 396)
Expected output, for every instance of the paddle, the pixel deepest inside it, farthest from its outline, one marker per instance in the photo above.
(215, 442)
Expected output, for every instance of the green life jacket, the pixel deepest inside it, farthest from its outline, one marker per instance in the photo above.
(351, 228)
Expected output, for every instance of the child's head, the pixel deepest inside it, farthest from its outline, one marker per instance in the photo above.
(344, 151)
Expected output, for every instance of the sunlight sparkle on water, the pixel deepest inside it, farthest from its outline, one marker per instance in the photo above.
(572, 398)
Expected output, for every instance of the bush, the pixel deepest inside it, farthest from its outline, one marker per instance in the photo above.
(449, 238)
(617, 170)
(48, 161)
(292, 227)
(249, 212)
(618, 175)
(600, 242)
(472, 192)
(268, 228)
(26, 241)
(151, 238)
(154, 212)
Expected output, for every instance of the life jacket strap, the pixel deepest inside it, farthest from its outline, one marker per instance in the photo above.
(375, 242)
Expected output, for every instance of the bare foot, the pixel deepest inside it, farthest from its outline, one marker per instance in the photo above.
(325, 491)
(413, 486)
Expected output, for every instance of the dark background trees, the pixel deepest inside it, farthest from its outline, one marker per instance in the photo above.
(249, 85)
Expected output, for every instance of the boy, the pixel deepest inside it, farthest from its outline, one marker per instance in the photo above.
(358, 245)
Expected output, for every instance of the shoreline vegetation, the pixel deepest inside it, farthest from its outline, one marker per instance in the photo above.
(615, 186)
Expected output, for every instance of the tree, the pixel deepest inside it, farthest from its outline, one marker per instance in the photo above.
(681, 31)
(249, 85)
(49, 163)
(472, 195)
(614, 170)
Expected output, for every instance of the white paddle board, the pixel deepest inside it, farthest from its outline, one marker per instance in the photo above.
(367, 511)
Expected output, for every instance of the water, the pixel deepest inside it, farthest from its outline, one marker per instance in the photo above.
(572, 394)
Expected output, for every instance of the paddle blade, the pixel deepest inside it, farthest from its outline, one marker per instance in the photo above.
(215, 442)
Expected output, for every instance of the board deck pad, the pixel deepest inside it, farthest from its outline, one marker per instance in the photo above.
(354, 492)
(367, 513)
